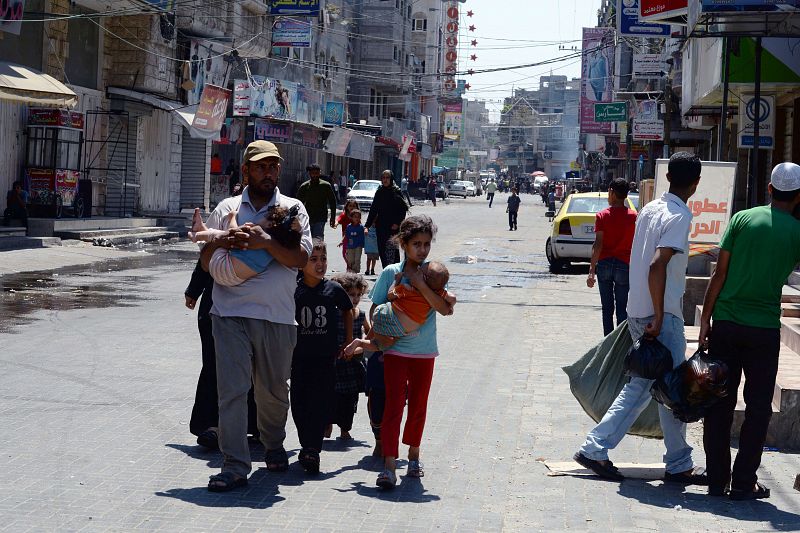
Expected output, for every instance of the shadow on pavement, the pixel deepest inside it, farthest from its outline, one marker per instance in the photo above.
(339, 445)
(409, 490)
(668, 497)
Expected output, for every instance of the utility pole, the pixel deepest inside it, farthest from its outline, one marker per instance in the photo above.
(752, 184)
(723, 120)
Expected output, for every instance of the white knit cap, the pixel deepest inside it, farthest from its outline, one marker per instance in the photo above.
(786, 177)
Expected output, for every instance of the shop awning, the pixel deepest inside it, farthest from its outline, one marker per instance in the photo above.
(25, 85)
(183, 114)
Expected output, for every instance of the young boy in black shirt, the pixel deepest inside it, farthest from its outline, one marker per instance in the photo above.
(319, 304)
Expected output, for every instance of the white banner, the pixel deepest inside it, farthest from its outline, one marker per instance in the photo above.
(648, 130)
(648, 66)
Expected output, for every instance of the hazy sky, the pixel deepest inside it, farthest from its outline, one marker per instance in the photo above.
(507, 32)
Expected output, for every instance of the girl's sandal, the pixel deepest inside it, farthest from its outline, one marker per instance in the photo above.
(386, 480)
(309, 460)
(415, 469)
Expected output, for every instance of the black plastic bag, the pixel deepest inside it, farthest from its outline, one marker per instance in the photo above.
(596, 379)
(693, 387)
(648, 359)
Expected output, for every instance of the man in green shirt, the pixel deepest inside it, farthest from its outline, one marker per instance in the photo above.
(759, 250)
(491, 188)
(318, 198)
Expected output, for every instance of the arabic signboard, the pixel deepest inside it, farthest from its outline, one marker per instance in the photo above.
(334, 113)
(648, 66)
(11, 16)
(712, 202)
(266, 130)
(308, 137)
(596, 79)
(613, 112)
(294, 7)
(210, 115)
(47, 116)
(291, 32)
(241, 98)
(709, 6)
(656, 10)
(629, 25)
(648, 130)
(747, 115)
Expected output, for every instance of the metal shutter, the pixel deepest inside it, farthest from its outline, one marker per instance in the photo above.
(194, 181)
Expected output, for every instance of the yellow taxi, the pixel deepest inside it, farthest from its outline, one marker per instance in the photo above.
(573, 229)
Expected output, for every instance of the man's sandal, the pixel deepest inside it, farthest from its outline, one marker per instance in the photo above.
(760, 493)
(225, 481)
(277, 460)
(415, 469)
(386, 480)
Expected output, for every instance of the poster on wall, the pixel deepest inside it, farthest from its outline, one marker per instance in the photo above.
(232, 132)
(241, 98)
(711, 204)
(207, 66)
(596, 79)
(334, 113)
(273, 98)
(291, 32)
(452, 126)
(11, 16)
(310, 106)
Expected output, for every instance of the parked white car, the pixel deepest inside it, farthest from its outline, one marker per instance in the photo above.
(462, 188)
(363, 192)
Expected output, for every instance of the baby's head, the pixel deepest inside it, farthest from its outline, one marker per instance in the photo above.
(436, 275)
(279, 225)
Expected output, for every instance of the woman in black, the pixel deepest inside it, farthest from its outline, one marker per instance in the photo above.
(205, 412)
(388, 210)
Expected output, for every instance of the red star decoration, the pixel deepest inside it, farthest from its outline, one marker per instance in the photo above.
(473, 57)
(474, 42)
(467, 86)
(470, 13)
(470, 72)
(472, 27)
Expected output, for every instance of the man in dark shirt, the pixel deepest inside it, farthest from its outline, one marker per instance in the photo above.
(513, 208)
(318, 198)
(388, 210)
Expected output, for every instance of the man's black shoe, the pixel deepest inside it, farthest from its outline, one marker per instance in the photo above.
(696, 476)
(605, 471)
(717, 491)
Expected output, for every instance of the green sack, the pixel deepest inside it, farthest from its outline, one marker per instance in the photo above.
(597, 378)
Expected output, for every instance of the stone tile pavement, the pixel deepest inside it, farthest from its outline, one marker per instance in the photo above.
(95, 405)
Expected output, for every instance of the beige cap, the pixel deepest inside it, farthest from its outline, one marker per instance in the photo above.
(258, 150)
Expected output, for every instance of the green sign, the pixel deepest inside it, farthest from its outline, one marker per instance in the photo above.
(612, 112)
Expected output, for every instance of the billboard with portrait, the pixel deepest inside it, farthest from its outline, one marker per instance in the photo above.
(596, 80)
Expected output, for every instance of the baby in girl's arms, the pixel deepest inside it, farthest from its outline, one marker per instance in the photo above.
(234, 267)
(406, 310)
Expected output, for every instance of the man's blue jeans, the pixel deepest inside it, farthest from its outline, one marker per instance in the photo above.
(633, 399)
(612, 278)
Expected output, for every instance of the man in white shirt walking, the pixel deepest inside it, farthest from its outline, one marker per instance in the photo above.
(658, 262)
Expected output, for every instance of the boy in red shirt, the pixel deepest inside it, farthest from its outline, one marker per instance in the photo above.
(611, 254)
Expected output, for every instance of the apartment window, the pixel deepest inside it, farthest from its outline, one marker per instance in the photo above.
(27, 48)
(408, 12)
(419, 24)
(396, 53)
(81, 65)
(397, 4)
(373, 102)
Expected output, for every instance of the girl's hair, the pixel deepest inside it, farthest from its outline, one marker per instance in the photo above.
(318, 245)
(351, 281)
(349, 205)
(413, 225)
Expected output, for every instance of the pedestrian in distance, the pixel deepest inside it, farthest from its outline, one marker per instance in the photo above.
(408, 364)
(16, 204)
(611, 254)
(342, 181)
(758, 251)
(404, 189)
(351, 373)
(388, 210)
(431, 187)
(491, 188)
(320, 305)
(254, 323)
(659, 257)
(371, 249)
(355, 242)
(342, 221)
(513, 209)
(320, 201)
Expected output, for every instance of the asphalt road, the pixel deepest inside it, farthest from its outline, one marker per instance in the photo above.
(98, 368)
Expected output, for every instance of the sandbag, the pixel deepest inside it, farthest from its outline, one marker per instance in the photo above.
(648, 359)
(693, 387)
(597, 378)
